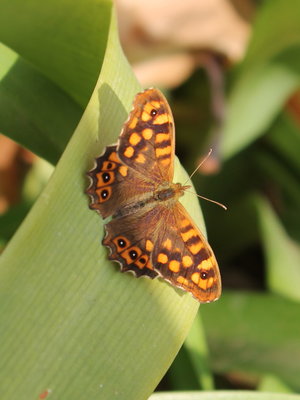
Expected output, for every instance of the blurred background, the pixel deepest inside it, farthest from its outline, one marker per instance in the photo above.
(230, 70)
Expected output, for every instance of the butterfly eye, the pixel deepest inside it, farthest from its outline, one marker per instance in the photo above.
(104, 194)
(204, 275)
(122, 243)
(105, 177)
(133, 254)
(153, 112)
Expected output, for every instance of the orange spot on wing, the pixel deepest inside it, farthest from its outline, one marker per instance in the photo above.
(140, 159)
(134, 139)
(189, 234)
(165, 161)
(149, 107)
(147, 133)
(133, 123)
(155, 104)
(149, 265)
(182, 280)
(163, 151)
(167, 244)
(187, 261)
(195, 277)
(210, 282)
(161, 119)
(123, 170)
(149, 245)
(160, 137)
(145, 116)
(185, 222)
(129, 151)
(162, 258)
(205, 264)
(174, 265)
(195, 248)
(114, 157)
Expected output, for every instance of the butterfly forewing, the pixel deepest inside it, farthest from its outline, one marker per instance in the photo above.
(115, 188)
(146, 142)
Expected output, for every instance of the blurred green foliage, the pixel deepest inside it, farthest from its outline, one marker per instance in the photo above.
(253, 331)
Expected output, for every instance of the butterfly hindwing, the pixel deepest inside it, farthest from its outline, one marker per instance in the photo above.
(132, 244)
(163, 241)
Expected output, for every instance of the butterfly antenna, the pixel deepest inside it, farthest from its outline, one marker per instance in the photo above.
(202, 162)
(207, 199)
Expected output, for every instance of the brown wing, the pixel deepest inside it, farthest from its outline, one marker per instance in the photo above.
(115, 188)
(131, 240)
(146, 143)
(164, 241)
(183, 256)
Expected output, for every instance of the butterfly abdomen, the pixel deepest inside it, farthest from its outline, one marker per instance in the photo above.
(133, 207)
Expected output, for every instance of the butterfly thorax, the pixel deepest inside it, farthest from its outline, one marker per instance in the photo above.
(169, 192)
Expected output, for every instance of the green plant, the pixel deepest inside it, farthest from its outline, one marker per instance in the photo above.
(69, 321)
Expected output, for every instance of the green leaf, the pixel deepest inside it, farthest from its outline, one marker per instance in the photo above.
(254, 333)
(281, 252)
(271, 383)
(70, 321)
(223, 395)
(196, 347)
(269, 74)
(63, 39)
(33, 111)
(43, 93)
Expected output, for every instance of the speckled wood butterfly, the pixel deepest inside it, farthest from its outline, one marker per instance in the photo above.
(151, 233)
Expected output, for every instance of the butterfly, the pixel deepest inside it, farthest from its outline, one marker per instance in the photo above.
(151, 233)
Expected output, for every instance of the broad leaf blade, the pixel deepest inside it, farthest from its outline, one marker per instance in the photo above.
(266, 341)
(63, 39)
(72, 321)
